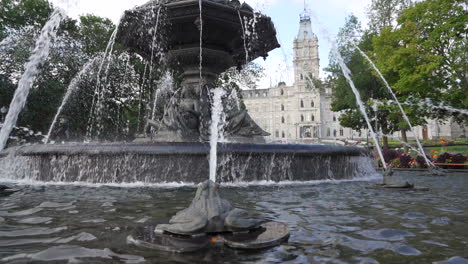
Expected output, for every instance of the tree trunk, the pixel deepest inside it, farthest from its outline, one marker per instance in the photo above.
(404, 138)
(385, 142)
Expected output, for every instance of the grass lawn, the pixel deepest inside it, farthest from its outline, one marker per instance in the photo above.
(451, 149)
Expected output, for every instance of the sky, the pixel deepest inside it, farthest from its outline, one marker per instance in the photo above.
(284, 13)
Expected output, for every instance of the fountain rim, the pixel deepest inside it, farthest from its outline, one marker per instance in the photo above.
(182, 148)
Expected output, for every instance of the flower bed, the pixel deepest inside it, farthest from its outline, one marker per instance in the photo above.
(398, 159)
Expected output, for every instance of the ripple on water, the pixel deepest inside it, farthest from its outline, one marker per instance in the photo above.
(386, 234)
(453, 260)
(449, 210)
(35, 231)
(414, 225)
(55, 240)
(73, 253)
(367, 246)
(414, 215)
(434, 243)
(21, 213)
(94, 221)
(35, 220)
(441, 221)
(55, 205)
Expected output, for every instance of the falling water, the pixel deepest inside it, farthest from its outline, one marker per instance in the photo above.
(347, 74)
(99, 103)
(216, 111)
(165, 86)
(95, 105)
(38, 56)
(200, 5)
(396, 100)
(244, 28)
(428, 103)
(70, 90)
(153, 45)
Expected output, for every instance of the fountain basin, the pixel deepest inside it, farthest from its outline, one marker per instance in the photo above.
(185, 162)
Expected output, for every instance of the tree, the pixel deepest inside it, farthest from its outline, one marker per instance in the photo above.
(388, 118)
(384, 13)
(426, 55)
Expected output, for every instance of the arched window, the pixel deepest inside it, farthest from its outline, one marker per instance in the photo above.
(283, 135)
(313, 118)
(312, 103)
(302, 118)
(282, 119)
(334, 132)
(302, 103)
(328, 132)
(334, 118)
(341, 132)
(282, 107)
(282, 92)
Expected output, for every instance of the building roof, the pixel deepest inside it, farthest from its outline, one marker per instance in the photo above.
(305, 28)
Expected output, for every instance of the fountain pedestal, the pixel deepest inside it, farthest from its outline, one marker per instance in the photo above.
(210, 218)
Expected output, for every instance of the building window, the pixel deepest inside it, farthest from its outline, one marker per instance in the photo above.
(277, 134)
(282, 107)
(334, 132)
(334, 118)
(282, 119)
(302, 77)
(312, 103)
(264, 94)
(313, 118)
(341, 132)
(283, 135)
(302, 118)
(328, 132)
(282, 92)
(302, 103)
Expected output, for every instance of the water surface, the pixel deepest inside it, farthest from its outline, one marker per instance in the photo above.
(330, 223)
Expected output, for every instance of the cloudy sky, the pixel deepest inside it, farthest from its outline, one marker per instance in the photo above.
(285, 16)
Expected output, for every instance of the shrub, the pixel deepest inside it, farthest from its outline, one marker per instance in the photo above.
(389, 155)
(405, 161)
(421, 161)
(443, 158)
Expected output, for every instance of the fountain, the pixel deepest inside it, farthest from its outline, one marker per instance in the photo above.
(179, 150)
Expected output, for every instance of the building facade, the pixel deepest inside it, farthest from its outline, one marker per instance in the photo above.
(301, 113)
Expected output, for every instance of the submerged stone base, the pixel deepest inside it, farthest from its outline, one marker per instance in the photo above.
(183, 162)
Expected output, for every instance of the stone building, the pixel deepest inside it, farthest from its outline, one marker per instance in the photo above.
(302, 113)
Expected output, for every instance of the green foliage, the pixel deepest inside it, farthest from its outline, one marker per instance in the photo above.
(425, 56)
(17, 14)
(95, 33)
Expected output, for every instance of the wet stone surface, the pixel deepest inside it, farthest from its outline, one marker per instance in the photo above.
(340, 222)
(269, 234)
